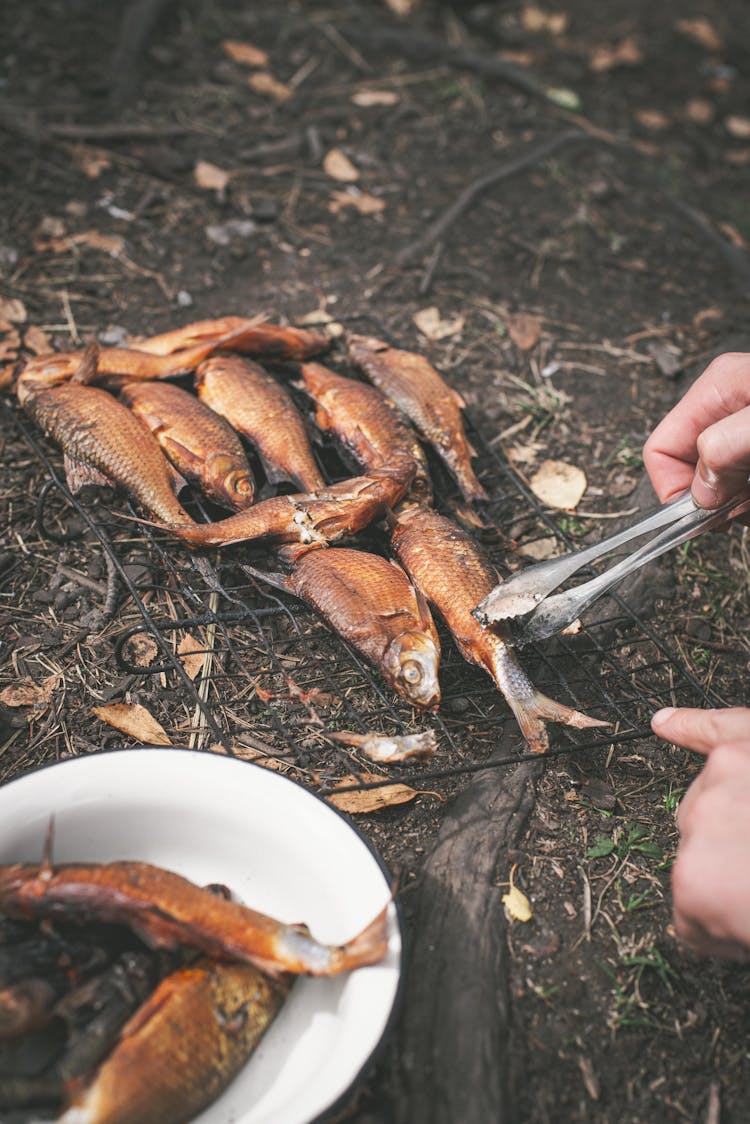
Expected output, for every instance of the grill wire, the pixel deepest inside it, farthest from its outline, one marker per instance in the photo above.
(268, 662)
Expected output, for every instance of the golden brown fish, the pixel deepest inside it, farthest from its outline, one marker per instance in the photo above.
(166, 910)
(419, 392)
(373, 605)
(105, 444)
(335, 512)
(260, 409)
(182, 1048)
(365, 422)
(447, 566)
(250, 335)
(201, 445)
(114, 367)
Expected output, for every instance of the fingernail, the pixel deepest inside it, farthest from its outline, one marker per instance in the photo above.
(663, 715)
(705, 488)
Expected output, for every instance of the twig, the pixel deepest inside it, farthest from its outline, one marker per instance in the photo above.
(471, 193)
(346, 49)
(429, 274)
(198, 732)
(116, 131)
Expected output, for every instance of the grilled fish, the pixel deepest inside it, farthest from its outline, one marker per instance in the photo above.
(260, 409)
(96, 431)
(365, 422)
(114, 367)
(250, 335)
(447, 566)
(166, 910)
(182, 1048)
(201, 445)
(335, 512)
(419, 392)
(373, 605)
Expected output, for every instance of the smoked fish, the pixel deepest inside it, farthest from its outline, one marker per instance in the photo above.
(261, 410)
(365, 422)
(99, 433)
(371, 603)
(250, 336)
(452, 573)
(200, 444)
(166, 910)
(334, 512)
(419, 392)
(182, 1047)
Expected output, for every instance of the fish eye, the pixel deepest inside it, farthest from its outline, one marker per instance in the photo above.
(411, 671)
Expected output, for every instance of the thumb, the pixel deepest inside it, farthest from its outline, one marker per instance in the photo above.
(723, 460)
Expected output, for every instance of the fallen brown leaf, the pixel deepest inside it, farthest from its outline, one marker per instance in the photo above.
(244, 53)
(524, 329)
(264, 83)
(28, 693)
(625, 53)
(540, 549)
(534, 18)
(338, 166)
(141, 650)
(36, 340)
(135, 721)
(402, 7)
(210, 176)
(700, 111)
(432, 325)
(192, 654)
(701, 31)
(359, 201)
(367, 98)
(13, 309)
(559, 484)
(653, 119)
(373, 799)
(738, 157)
(91, 161)
(10, 342)
(738, 127)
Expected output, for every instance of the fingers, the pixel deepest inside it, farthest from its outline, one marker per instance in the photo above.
(724, 459)
(702, 730)
(671, 453)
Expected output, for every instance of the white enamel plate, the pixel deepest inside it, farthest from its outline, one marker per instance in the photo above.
(280, 850)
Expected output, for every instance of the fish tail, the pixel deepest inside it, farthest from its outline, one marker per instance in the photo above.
(368, 947)
(534, 711)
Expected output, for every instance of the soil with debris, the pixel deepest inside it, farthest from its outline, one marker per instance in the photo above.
(156, 170)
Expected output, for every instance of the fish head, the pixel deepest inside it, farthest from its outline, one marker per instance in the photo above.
(411, 664)
(230, 483)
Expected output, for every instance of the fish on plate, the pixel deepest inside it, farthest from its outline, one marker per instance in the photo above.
(166, 910)
(248, 335)
(261, 410)
(309, 518)
(409, 380)
(201, 445)
(365, 422)
(453, 574)
(105, 444)
(182, 1047)
(371, 603)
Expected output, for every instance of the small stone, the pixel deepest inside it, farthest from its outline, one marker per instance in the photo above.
(698, 629)
(222, 234)
(113, 336)
(457, 705)
(265, 210)
(184, 299)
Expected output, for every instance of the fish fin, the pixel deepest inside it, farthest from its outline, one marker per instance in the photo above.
(176, 479)
(268, 577)
(179, 454)
(461, 403)
(535, 711)
(369, 946)
(78, 474)
(292, 552)
(85, 372)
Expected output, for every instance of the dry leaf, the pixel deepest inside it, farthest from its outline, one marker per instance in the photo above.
(559, 484)
(28, 693)
(324, 322)
(360, 201)
(192, 653)
(264, 83)
(517, 905)
(706, 316)
(112, 244)
(431, 324)
(210, 176)
(135, 721)
(373, 799)
(13, 309)
(625, 53)
(367, 98)
(141, 650)
(338, 166)
(36, 340)
(524, 329)
(739, 157)
(91, 161)
(10, 342)
(738, 127)
(402, 7)
(733, 235)
(540, 549)
(244, 53)
(653, 119)
(537, 19)
(701, 31)
(700, 111)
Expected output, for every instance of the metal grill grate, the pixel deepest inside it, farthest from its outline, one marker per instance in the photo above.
(269, 662)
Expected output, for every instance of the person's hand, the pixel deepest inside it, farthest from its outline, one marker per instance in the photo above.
(704, 442)
(711, 874)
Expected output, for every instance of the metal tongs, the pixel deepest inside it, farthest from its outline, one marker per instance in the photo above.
(525, 594)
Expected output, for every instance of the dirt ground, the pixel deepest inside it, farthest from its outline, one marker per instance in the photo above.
(574, 299)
